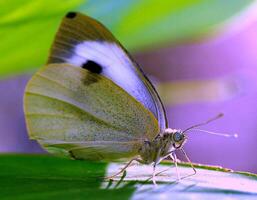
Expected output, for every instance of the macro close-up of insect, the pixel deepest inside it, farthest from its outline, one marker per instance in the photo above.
(114, 97)
(92, 101)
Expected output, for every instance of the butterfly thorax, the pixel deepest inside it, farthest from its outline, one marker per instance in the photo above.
(163, 145)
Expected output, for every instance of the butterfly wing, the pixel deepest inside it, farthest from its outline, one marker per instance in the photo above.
(84, 42)
(93, 150)
(70, 109)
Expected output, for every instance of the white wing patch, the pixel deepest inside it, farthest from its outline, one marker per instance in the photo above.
(117, 66)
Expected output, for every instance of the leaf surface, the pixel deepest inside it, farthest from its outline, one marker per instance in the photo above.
(46, 177)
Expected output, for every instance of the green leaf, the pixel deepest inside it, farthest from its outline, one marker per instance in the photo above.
(45, 177)
(28, 27)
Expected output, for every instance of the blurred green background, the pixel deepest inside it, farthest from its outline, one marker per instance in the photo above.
(28, 27)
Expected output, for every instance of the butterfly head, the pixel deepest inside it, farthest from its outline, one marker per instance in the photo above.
(177, 138)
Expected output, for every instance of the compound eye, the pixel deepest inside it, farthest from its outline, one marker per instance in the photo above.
(177, 137)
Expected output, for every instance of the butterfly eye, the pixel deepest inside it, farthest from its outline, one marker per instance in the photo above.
(178, 137)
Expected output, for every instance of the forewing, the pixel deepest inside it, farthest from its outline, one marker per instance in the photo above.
(84, 42)
(64, 103)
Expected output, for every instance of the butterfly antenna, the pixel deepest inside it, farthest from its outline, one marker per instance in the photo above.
(215, 133)
(204, 123)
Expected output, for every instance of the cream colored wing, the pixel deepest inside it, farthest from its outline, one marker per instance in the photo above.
(93, 150)
(72, 106)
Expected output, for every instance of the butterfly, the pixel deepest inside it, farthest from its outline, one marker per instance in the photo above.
(92, 101)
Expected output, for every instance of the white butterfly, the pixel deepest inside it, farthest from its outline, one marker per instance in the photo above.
(92, 101)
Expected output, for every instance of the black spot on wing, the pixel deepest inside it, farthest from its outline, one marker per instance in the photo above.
(71, 15)
(94, 70)
(92, 67)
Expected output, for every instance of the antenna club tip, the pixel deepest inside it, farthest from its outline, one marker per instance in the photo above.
(236, 135)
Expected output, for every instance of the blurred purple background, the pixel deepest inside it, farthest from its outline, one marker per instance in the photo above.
(229, 55)
(233, 55)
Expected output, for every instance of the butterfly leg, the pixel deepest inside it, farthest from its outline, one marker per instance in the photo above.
(174, 158)
(188, 160)
(125, 167)
(154, 174)
(154, 168)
